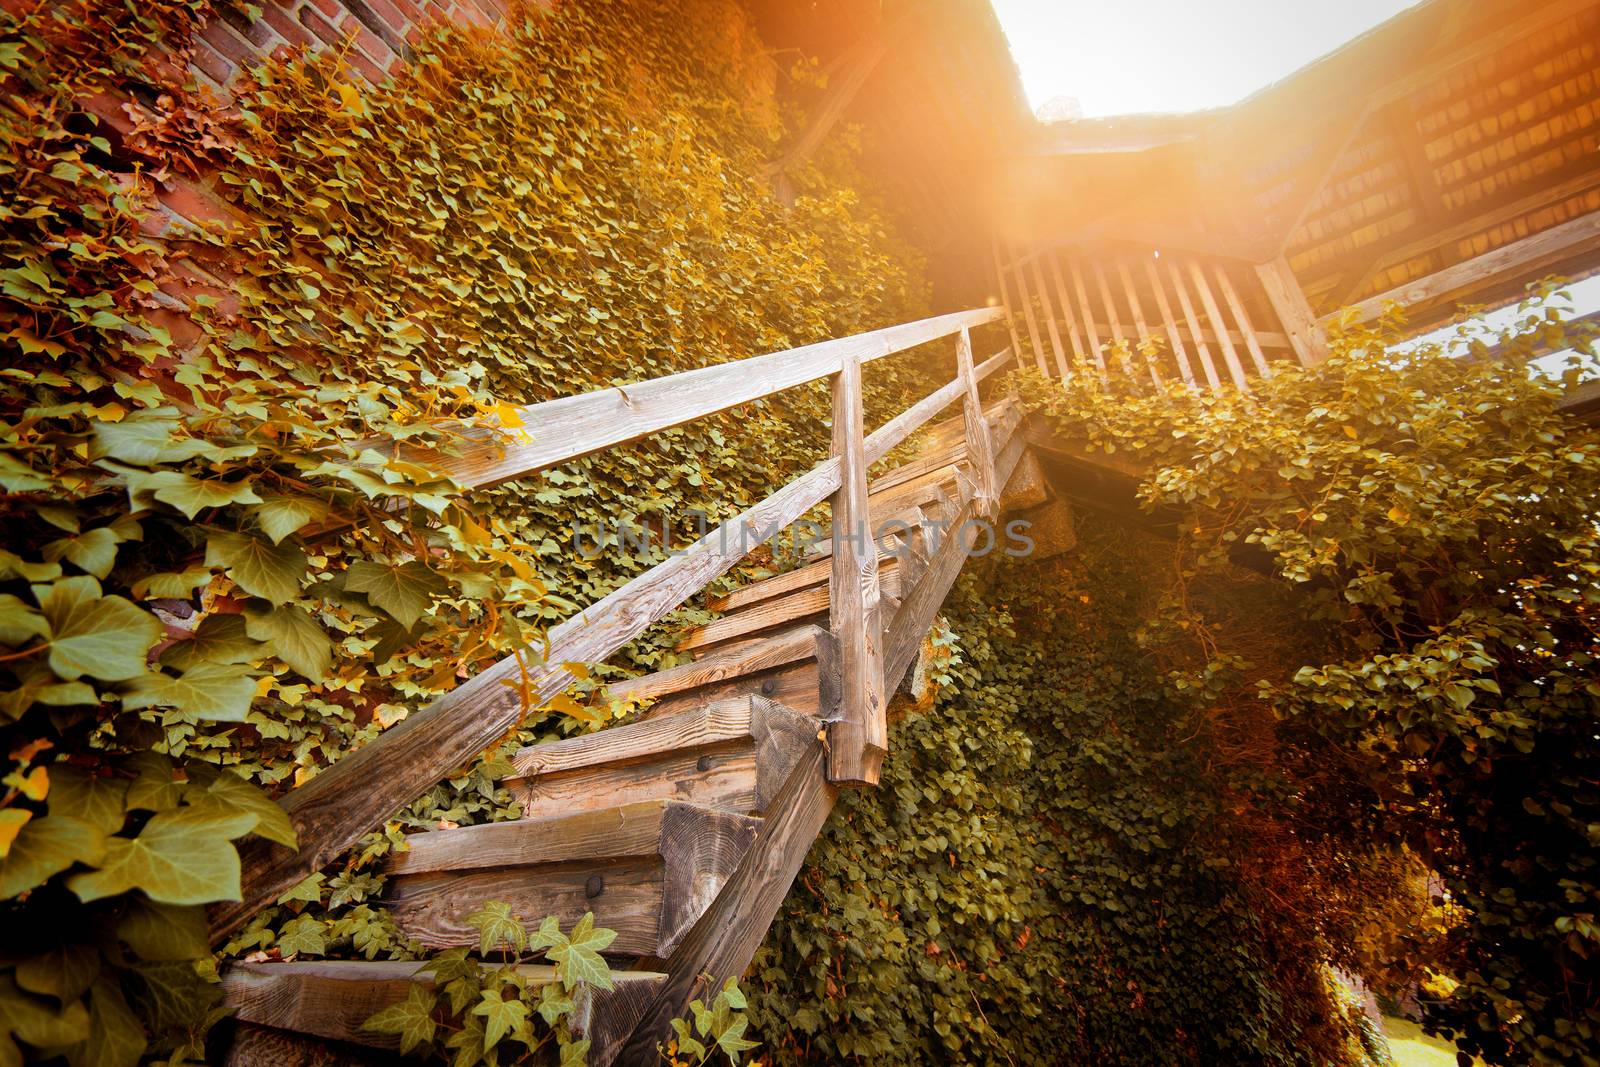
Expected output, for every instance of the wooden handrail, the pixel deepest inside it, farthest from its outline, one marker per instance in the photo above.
(572, 427)
(333, 810)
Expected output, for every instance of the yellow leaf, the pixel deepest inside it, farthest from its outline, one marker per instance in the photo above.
(12, 821)
(36, 785)
(1397, 514)
(350, 97)
(1350, 432)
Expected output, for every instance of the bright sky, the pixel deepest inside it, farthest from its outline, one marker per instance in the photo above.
(1127, 56)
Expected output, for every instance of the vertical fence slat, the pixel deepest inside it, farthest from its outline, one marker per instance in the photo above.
(1179, 352)
(1218, 326)
(1049, 315)
(1088, 314)
(1028, 315)
(1236, 309)
(1142, 330)
(1193, 320)
(1067, 311)
(859, 740)
(1005, 300)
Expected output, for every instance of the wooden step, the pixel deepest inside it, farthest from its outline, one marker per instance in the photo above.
(800, 605)
(331, 999)
(646, 870)
(731, 755)
(814, 572)
(782, 667)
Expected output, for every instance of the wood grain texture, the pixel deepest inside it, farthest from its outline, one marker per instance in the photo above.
(1168, 323)
(1005, 299)
(571, 427)
(1027, 487)
(792, 646)
(781, 611)
(977, 443)
(643, 874)
(1236, 308)
(1523, 255)
(1209, 302)
(1089, 324)
(1026, 299)
(721, 943)
(1181, 289)
(1049, 319)
(1068, 312)
(860, 739)
(332, 998)
(262, 1046)
(721, 757)
(1288, 300)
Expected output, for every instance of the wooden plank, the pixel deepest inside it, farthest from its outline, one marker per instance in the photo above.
(1049, 321)
(262, 1046)
(571, 427)
(1068, 311)
(331, 999)
(333, 810)
(722, 943)
(1209, 302)
(859, 740)
(1237, 310)
(765, 615)
(1005, 299)
(1089, 324)
(1306, 336)
(1175, 342)
(1523, 255)
(1110, 303)
(740, 773)
(792, 646)
(646, 870)
(1032, 321)
(979, 446)
(1189, 316)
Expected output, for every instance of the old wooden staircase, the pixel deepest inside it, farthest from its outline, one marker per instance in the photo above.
(681, 830)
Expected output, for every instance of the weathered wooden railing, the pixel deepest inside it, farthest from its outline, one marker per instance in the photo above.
(336, 807)
(1211, 317)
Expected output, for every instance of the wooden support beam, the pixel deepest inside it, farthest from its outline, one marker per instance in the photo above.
(1472, 275)
(859, 740)
(646, 870)
(979, 447)
(1306, 336)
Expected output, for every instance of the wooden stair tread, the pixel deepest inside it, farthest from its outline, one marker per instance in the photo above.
(646, 870)
(784, 609)
(331, 999)
(730, 754)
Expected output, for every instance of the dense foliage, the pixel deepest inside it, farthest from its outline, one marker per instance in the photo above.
(211, 575)
(1048, 873)
(1435, 516)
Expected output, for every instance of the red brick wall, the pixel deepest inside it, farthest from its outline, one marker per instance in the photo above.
(377, 33)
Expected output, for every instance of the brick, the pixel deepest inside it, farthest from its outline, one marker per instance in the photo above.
(369, 70)
(226, 40)
(392, 17)
(321, 27)
(291, 31)
(369, 42)
(212, 64)
(194, 202)
(256, 31)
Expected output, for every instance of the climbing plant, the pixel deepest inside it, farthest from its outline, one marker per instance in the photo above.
(1434, 516)
(219, 315)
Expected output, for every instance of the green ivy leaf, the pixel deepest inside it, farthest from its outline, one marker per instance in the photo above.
(116, 1037)
(500, 1016)
(64, 971)
(46, 847)
(575, 1053)
(179, 585)
(233, 795)
(164, 932)
(219, 692)
(305, 934)
(192, 495)
(577, 956)
(37, 1021)
(180, 857)
(412, 1018)
(79, 793)
(19, 622)
(295, 637)
(148, 437)
(105, 637)
(218, 639)
(94, 552)
(260, 568)
(495, 923)
(280, 516)
(404, 591)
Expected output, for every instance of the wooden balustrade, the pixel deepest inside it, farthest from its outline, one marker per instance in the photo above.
(335, 808)
(1206, 330)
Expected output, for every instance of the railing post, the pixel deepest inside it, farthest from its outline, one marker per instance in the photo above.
(980, 449)
(859, 739)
